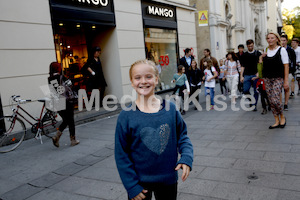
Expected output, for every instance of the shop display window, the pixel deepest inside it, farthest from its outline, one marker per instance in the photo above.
(161, 47)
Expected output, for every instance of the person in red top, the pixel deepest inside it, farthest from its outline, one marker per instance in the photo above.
(261, 88)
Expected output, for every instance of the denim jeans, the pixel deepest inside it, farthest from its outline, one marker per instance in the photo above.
(248, 82)
(210, 91)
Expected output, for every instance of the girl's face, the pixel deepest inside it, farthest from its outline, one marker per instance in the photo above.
(194, 64)
(143, 79)
(221, 62)
(272, 40)
(229, 56)
(205, 63)
(183, 70)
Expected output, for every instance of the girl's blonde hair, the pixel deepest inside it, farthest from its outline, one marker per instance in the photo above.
(277, 36)
(209, 63)
(147, 62)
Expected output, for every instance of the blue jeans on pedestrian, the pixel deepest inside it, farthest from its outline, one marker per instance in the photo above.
(210, 91)
(248, 82)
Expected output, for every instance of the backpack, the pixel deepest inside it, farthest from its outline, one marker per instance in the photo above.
(66, 90)
(216, 71)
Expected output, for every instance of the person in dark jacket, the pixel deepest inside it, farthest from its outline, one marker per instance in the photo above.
(67, 115)
(239, 54)
(93, 70)
(292, 69)
(195, 78)
(186, 61)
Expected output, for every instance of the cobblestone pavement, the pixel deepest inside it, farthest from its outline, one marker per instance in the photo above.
(236, 157)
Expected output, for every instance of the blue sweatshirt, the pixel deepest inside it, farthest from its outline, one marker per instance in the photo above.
(147, 147)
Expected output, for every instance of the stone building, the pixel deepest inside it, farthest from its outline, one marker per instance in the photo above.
(232, 22)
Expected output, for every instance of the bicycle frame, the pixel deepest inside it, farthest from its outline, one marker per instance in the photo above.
(38, 120)
(17, 113)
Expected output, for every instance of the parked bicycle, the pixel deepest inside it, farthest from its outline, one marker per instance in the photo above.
(14, 130)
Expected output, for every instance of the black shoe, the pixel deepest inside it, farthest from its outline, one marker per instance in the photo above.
(183, 112)
(283, 125)
(273, 127)
(264, 112)
(285, 107)
(269, 108)
(292, 94)
(255, 109)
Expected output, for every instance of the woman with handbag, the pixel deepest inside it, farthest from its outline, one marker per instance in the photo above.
(181, 84)
(275, 72)
(67, 115)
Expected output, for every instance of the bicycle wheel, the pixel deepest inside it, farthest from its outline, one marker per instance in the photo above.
(49, 123)
(12, 134)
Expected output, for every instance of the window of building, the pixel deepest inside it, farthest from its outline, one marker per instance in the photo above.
(161, 47)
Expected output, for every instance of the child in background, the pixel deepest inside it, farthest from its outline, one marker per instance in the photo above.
(195, 78)
(181, 84)
(148, 138)
(222, 78)
(210, 74)
(260, 86)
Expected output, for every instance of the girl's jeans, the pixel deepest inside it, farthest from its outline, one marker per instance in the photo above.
(210, 91)
(161, 191)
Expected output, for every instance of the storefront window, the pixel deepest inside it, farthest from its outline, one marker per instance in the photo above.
(161, 47)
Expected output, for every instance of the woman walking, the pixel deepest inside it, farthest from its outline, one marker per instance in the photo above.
(275, 72)
(232, 70)
(67, 115)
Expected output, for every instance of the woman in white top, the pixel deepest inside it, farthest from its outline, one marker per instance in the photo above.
(275, 71)
(232, 70)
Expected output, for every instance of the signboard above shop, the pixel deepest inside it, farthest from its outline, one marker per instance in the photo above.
(159, 15)
(86, 11)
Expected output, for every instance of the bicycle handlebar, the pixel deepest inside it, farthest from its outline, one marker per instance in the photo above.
(14, 98)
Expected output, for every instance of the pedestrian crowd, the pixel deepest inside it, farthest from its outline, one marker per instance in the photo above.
(247, 74)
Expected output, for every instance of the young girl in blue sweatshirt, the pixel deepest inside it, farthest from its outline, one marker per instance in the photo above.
(149, 136)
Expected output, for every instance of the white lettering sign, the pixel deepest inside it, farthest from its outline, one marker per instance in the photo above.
(163, 12)
(95, 2)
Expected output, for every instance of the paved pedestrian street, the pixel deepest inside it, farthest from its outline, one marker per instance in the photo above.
(236, 157)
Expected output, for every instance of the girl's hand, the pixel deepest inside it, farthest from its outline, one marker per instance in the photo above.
(186, 171)
(223, 78)
(140, 196)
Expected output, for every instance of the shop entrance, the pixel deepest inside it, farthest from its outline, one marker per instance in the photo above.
(73, 46)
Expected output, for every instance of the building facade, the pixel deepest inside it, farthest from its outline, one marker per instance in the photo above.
(35, 33)
(232, 22)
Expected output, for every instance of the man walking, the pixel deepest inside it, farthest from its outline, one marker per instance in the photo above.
(296, 48)
(292, 69)
(186, 61)
(206, 54)
(249, 76)
(239, 54)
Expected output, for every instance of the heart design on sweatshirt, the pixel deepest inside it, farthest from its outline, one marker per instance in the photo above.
(156, 140)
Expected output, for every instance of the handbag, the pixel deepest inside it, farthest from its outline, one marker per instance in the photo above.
(260, 67)
(70, 95)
